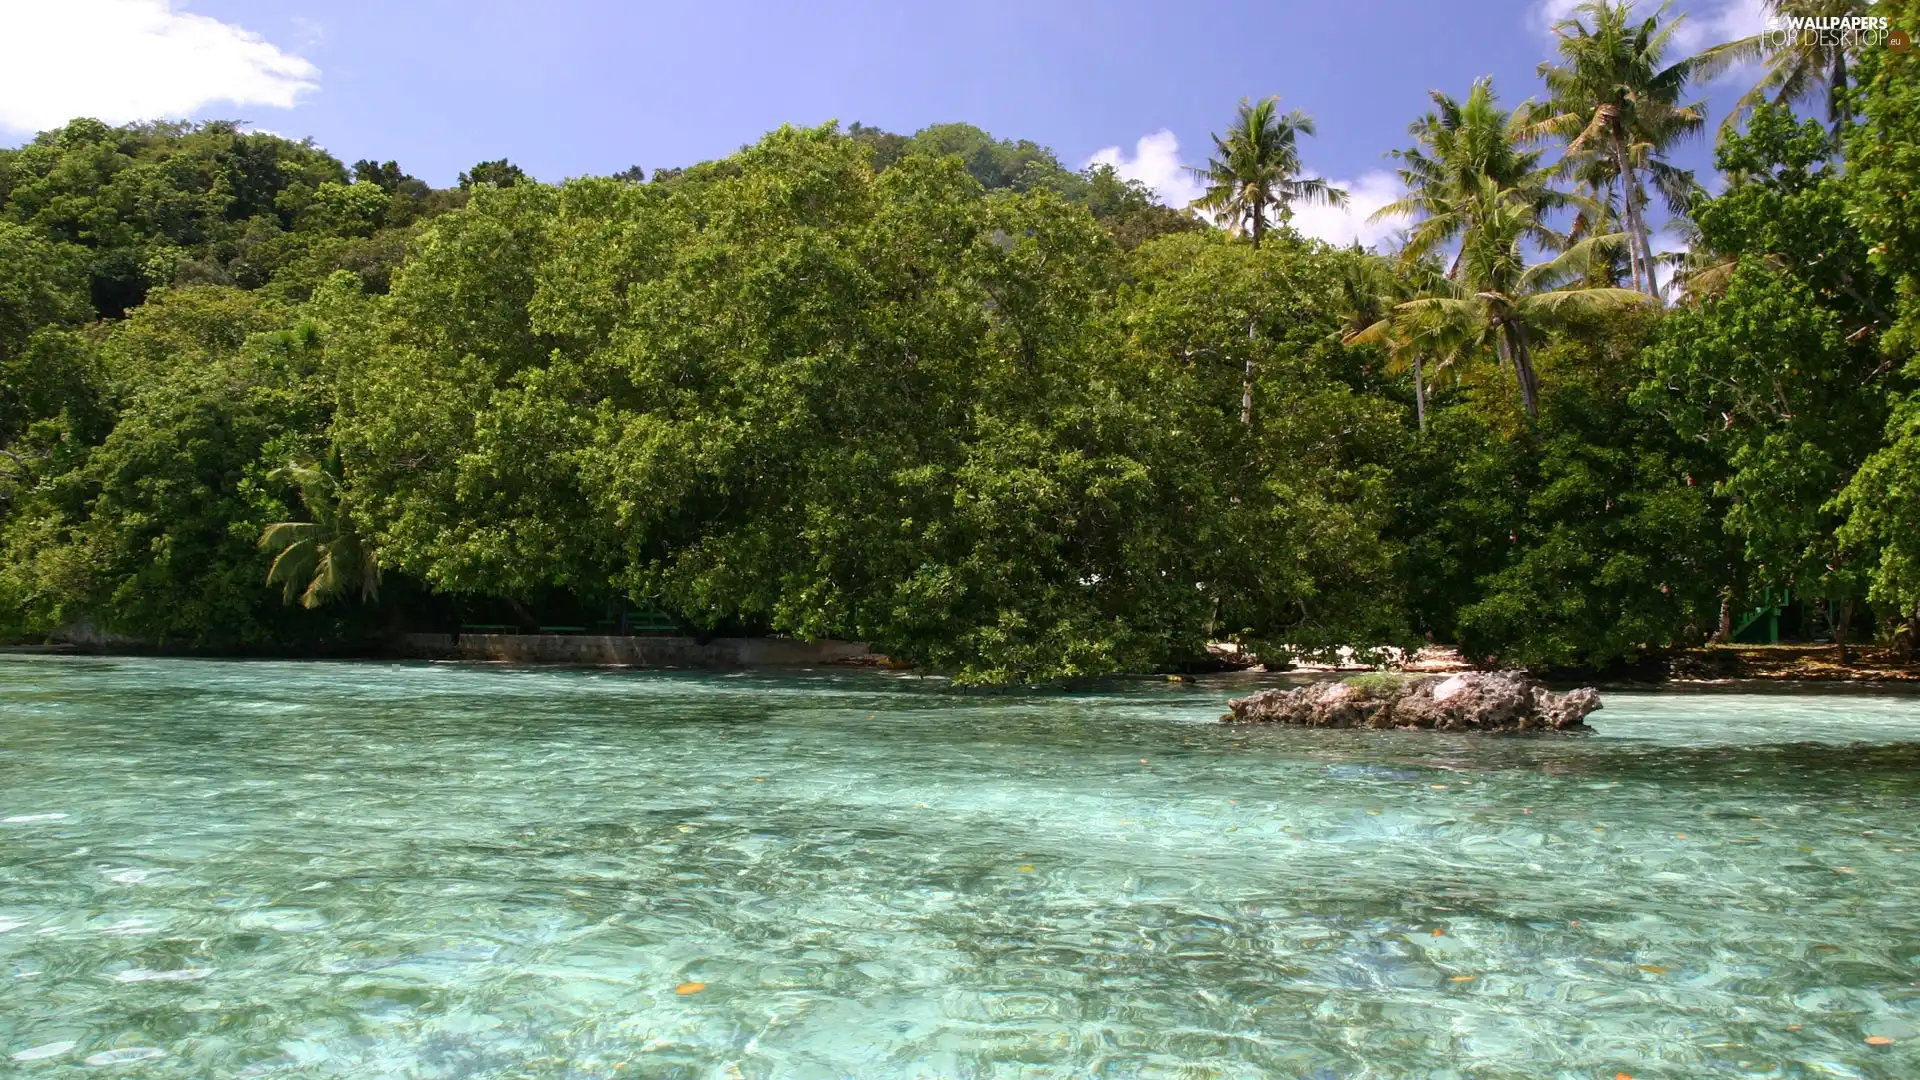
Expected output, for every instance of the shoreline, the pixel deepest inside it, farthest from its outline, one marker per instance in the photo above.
(1704, 669)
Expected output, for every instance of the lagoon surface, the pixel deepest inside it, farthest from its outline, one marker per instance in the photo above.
(214, 869)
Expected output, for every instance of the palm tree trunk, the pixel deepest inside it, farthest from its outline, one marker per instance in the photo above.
(1419, 394)
(1637, 198)
(1523, 367)
(1639, 249)
(1837, 109)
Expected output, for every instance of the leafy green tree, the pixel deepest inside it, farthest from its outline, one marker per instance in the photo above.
(185, 328)
(1256, 168)
(500, 173)
(409, 198)
(152, 533)
(1882, 501)
(996, 163)
(1130, 210)
(1789, 206)
(1766, 374)
(1613, 552)
(1282, 520)
(42, 372)
(887, 146)
(452, 492)
(388, 175)
(1885, 171)
(1777, 366)
(782, 392)
(145, 199)
(336, 209)
(1582, 540)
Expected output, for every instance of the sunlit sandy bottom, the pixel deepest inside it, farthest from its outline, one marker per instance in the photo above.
(335, 870)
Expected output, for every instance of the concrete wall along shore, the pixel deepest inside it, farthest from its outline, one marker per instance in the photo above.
(641, 652)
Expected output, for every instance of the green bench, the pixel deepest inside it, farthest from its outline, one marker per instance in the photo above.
(650, 620)
(637, 620)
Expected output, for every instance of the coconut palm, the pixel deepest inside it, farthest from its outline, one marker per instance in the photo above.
(1498, 301)
(1613, 98)
(1797, 65)
(1599, 215)
(1370, 288)
(1255, 171)
(1597, 176)
(1459, 146)
(325, 559)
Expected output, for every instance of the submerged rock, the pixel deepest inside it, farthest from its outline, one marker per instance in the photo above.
(1469, 701)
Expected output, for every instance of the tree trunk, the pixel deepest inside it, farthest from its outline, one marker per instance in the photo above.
(1724, 635)
(1639, 249)
(1838, 111)
(1246, 381)
(1523, 368)
(1419, 395)
(1840, 631)
(520, 612)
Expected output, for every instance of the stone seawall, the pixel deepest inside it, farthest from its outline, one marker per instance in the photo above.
(640, 652)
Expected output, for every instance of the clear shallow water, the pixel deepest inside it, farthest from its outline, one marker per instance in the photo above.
(341, 870)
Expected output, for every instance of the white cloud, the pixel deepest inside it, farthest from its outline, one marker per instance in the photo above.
(126, 60)
(1665, 242)
(1710, 24)
(1346, 224)
(1155, 163)
(1544, 13)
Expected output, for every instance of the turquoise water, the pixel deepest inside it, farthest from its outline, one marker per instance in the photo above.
(361, 870)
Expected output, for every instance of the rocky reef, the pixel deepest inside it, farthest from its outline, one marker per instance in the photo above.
(1469, 701)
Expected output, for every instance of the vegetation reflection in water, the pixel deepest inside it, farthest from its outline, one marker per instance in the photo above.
(319, 870)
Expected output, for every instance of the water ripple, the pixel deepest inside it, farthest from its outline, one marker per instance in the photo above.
(352, 870)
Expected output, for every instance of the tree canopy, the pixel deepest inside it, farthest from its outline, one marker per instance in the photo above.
(1002, 418)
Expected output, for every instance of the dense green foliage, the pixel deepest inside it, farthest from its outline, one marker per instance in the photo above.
(1882, 503)
(942, 393)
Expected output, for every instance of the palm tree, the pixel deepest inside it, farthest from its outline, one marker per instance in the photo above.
(1599, 215)
(324, 559)
(1615, 101)
(1798, 65)
(1460, 146)
(1371, 287)
(1256, 169)
(1498, 301)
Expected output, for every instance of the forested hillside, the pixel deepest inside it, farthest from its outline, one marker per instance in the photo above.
(1001, 418)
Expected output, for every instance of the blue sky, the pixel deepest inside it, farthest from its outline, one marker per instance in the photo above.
(568, 87)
